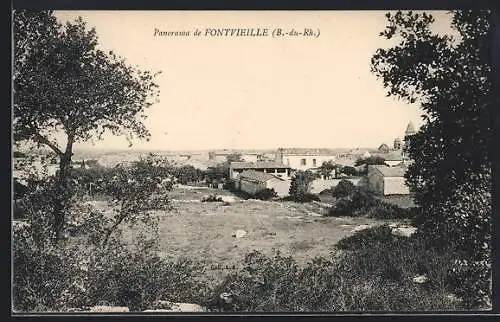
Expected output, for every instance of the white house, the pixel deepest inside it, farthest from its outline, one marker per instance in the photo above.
(304, 159)
(251, 181)
(386, 180)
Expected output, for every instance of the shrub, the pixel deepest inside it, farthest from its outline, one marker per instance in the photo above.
(375, 277)
(343, 189)
(300, 185)
(349, 171)
(266, 194)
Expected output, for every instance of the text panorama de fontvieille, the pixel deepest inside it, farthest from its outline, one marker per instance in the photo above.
(218, 32)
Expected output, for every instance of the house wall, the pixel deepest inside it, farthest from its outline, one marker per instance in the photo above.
(281, 187)
(375, 181)
(251, 187)
(294, 161)
(395, 186)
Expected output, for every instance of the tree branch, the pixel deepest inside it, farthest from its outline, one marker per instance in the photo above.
(42, 139)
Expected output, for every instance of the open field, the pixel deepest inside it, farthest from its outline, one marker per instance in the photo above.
(203, 231)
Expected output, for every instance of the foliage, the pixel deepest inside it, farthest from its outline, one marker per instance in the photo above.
(343, 189)
(360, 202)
(326, 169)
(218, 173)
(371, 160)
(373, 277)
(187, 174)
(59, 278)
(64, 84)
(349, 171)
(450, 77)
(265, 194)
(300, 185)
(18, 154)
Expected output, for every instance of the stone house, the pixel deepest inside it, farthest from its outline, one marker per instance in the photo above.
(251, 181)
(270, 167)
(385, 180)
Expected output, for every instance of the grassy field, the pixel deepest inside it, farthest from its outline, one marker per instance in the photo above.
(203, 231)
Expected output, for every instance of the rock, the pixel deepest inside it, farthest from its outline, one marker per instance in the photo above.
(104, 308)
(420, 279)
(403, 231)
(360, 227)
(167, 306)
(227, 199)
(239, 233)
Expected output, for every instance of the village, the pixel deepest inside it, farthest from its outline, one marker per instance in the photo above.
(291, 174)
(256, 170)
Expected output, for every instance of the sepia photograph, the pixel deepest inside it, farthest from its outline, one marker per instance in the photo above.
(178, 162)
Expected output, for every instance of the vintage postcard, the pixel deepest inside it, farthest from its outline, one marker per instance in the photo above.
(169, 162)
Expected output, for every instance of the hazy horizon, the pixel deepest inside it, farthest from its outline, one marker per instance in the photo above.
(257, 93)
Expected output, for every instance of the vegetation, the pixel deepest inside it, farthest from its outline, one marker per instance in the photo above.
(349, 171)
(68, 253)
(218, 173)
(300, 186)
(372, 160)
(450, 78)
(343, 189)
(64, 84)
(375, 272)
(326, 169)
(357, 201)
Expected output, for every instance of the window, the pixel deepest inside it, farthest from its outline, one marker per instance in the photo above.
(314, 162)
(302, 161)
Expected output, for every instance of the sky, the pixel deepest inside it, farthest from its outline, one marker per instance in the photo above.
(257, 92)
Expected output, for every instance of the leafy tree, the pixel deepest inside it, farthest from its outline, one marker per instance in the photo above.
(326, 168)
(348, 170)
(450, 77)
(188, 174)
(300, 185)
(343, 189)
(218, 173)
(63, 83)
(372, 160)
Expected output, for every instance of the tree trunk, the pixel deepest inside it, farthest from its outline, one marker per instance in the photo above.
(62, 191)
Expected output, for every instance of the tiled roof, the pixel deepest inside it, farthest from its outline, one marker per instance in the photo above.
(256, 176)
(258, 165)
(387, 171)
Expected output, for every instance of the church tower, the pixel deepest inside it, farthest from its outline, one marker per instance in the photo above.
(410, 130)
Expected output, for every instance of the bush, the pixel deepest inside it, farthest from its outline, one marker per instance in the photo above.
(300, 185)
(343, 189)
(265, 194)
(361, 202)
(72, 277)
(349, 171)
(375, 277)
